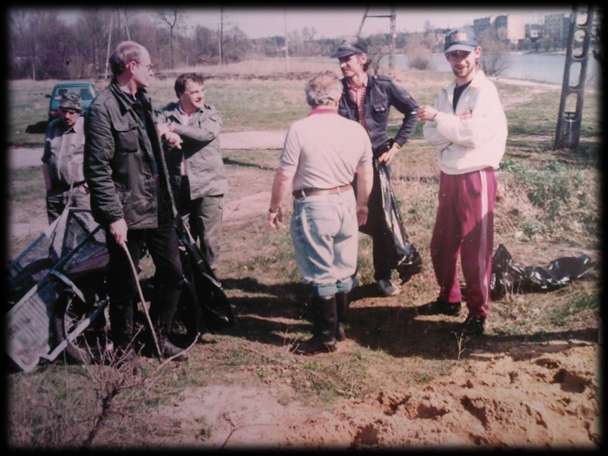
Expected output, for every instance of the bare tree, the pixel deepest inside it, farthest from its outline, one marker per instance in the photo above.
(173, 19)
(495, 53)
(418, 52)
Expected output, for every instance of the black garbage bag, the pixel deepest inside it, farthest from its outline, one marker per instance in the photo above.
(404, 256)
(203, 296)
(510, 277)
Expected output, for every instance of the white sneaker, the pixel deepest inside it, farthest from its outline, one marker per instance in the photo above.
(388, 288)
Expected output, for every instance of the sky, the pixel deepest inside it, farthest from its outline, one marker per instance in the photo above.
(336, 22)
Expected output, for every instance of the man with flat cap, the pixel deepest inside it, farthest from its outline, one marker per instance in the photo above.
(468, 128)
(62, 159)
(368, 99)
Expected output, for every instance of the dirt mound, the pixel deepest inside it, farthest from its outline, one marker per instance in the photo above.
(544, 400)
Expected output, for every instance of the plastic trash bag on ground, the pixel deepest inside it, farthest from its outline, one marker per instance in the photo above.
(510, 277)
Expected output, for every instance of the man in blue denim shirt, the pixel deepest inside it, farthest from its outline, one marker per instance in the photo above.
(321, 156)
(368, 100)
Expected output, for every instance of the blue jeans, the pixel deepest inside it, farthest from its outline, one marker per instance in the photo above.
(324, 231)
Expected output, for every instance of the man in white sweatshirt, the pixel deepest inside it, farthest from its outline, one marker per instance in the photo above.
(468, 127)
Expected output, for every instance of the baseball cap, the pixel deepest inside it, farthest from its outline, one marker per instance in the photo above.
(70, 100)
(460, 40)
(350, 47)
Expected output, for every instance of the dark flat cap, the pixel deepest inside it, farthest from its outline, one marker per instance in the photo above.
(70, 100)
(350, 47)
(460, 40)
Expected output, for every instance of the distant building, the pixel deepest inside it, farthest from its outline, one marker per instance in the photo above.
(557, 27)
(482, 24)
(510, 28)
(534, 31)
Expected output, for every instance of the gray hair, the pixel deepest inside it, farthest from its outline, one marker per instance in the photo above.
(323, 89)
(123, 54)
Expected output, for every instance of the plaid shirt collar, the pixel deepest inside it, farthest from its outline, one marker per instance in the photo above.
(357, 94)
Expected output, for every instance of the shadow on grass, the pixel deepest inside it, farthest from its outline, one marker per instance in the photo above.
(278, 315)
(230, 161)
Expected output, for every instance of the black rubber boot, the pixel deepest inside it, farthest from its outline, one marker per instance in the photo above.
(324, 328)
(165, 325)
(342, 304)
(122, 324)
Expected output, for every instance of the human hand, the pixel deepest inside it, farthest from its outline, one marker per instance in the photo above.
(387, 156)
(426, 113)
(275, 218)
(173, 140)
(119, 230)
(362, 212)
(163, 129)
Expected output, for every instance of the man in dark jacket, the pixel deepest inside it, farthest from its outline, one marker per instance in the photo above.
(202, 182)
(368, 99)
(130, 194)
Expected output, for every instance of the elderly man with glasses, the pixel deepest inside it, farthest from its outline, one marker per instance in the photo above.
(131, 195)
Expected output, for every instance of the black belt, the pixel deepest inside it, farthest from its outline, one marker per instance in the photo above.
(304, 192)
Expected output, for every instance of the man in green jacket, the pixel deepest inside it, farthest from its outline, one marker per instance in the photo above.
(131, 195)
(198, 162)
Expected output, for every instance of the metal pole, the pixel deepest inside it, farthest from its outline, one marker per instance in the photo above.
(108, 47)
(286, 42)
(362, 21)
(391, 56)
(124, 12)
(221, 34)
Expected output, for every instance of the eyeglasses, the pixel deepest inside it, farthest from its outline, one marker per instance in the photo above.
(147, 67)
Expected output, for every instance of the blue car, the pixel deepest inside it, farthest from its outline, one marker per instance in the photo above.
(85, 89)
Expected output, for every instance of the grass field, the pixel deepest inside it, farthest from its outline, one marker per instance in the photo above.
(548, 206)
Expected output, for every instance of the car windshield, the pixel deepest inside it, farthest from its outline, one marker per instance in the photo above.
(84, 92)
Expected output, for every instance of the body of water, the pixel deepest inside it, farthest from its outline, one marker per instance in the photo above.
(532, 67)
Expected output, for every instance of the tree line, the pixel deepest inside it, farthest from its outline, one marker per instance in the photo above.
(45, 44)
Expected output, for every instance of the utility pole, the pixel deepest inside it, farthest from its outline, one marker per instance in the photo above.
(221, 34)
(391, 56)
(127, 31)
(108, 47)
(362, 22)
(393, 34)
(567, 132)
(286, 42)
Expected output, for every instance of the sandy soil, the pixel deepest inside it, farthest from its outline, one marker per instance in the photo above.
(545, 397)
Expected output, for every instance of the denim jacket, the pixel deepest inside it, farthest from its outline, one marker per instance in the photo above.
(381, 94)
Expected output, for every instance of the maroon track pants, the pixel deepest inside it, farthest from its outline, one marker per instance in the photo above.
(465, 227)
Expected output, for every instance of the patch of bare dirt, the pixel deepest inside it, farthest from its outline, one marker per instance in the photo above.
(549, 399)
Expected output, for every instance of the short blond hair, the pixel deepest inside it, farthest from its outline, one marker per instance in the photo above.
(323, 89)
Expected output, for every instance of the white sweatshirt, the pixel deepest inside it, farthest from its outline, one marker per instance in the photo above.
(469, 144)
